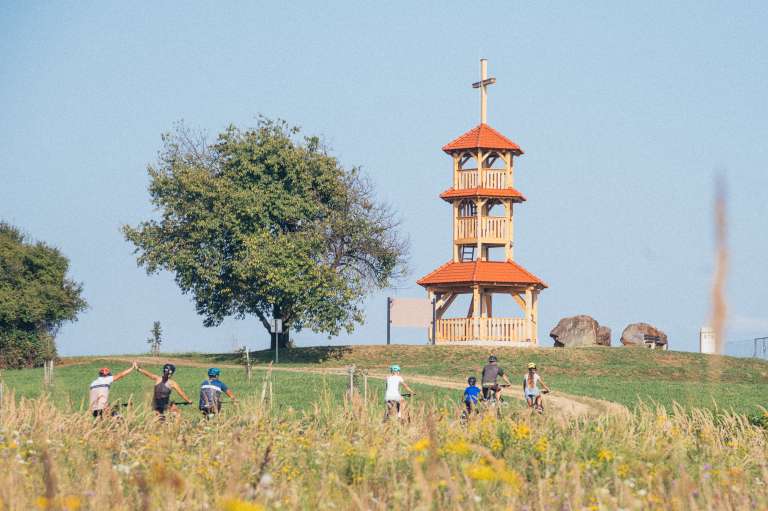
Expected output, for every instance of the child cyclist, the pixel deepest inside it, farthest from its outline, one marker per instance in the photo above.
(471, 395)
(531, 390)
(392, 395)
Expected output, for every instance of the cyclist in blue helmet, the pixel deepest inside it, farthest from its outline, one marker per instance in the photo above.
(392, 395)
(211, 391)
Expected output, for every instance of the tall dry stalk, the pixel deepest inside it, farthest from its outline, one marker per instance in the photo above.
(719, 306)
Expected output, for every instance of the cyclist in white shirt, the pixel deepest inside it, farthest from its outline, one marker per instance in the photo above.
(99, 389)
(531, 390)
(392, 395)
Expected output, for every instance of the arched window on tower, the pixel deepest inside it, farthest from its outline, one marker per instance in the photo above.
(495, 170)
(467, 208)
(494, 207)
(467, 171)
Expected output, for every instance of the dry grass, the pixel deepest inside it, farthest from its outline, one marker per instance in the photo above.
(340, 456)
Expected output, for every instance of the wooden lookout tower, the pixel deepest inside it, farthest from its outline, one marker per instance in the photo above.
(483, 200)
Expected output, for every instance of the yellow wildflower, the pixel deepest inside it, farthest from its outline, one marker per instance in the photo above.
(605, 455)
(420, 445)
(481, 473)
(71, 503)
(41, 502)
(522, 431)
(459, 448)
(240, 505)
(622, 470)
(541, 445)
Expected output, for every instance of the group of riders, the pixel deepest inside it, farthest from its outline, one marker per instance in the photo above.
(489, 391)
(213, 389)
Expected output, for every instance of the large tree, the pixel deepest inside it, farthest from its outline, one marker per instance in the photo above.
(36, 299)
(265, 222)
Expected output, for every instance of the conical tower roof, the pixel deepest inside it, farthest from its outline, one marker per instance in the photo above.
(482, 136)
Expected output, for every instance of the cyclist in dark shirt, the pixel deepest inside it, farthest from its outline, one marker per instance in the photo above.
(491, 373)
(161, 398)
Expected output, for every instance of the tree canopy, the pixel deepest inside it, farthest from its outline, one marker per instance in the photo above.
(36, 299)
(264, 222)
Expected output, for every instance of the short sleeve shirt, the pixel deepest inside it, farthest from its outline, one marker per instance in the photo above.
(99, 392)
(471, 393)
(490, 373)
(210, 393)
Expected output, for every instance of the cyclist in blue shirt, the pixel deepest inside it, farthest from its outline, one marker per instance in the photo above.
(471, 395)
(211, 391)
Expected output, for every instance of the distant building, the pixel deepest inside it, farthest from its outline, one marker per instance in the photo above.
(707, 343)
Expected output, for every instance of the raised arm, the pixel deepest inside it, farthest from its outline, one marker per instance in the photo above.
(149, 375)
(230, 394)
(123, 374)
(175, 386)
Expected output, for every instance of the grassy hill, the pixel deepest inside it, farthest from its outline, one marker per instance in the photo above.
(623, 375)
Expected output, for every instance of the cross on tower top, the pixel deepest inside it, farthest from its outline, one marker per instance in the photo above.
(482, 85)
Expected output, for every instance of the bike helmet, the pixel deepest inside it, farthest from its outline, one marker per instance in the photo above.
(472, 380)
(531, 365)
(492, 358)
(104, 371)
(214, 371)
(394, 368)
(169, 368)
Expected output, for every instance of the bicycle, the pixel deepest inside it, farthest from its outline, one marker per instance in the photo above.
(538, 402)
(400, 407)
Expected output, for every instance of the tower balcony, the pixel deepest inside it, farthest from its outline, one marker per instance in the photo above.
(492, 178)
(492, 230)
(478, 330)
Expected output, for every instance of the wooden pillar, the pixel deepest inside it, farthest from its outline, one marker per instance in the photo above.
(528, 313)
(535, 316)
(511, 179)
(480, 204)
(509, 248)
(455, 206)
(488, 305)
(456, 159)
(476, 306)
(480, 176)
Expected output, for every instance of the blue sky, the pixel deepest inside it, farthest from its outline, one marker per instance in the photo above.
(625, 113)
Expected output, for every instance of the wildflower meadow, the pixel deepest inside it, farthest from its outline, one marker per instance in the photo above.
(340, 454)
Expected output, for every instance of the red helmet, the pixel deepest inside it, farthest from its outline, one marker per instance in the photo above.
(104, 371)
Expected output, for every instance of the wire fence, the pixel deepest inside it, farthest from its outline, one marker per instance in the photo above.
(755, 348)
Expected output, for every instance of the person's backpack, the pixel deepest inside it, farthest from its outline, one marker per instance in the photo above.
(210, 396)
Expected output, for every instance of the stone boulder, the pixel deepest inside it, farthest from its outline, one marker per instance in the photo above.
(580, 330)
(643, 334)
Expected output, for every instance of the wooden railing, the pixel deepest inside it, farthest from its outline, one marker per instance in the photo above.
(492, 228)
(466, 228)
(481, 329)
(492, 178)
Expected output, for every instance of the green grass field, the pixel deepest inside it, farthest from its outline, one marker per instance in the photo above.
(623, 375)
(297, 391)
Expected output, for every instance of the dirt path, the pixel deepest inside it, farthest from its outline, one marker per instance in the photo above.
(566, 405)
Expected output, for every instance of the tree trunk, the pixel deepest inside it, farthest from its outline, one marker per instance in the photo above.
(282, 339)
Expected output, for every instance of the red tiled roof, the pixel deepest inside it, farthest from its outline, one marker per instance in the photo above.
(482, 136)
(486, 272)
(504, 193)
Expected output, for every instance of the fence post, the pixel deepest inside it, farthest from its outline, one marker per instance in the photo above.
(389, 320)
(351, 371)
